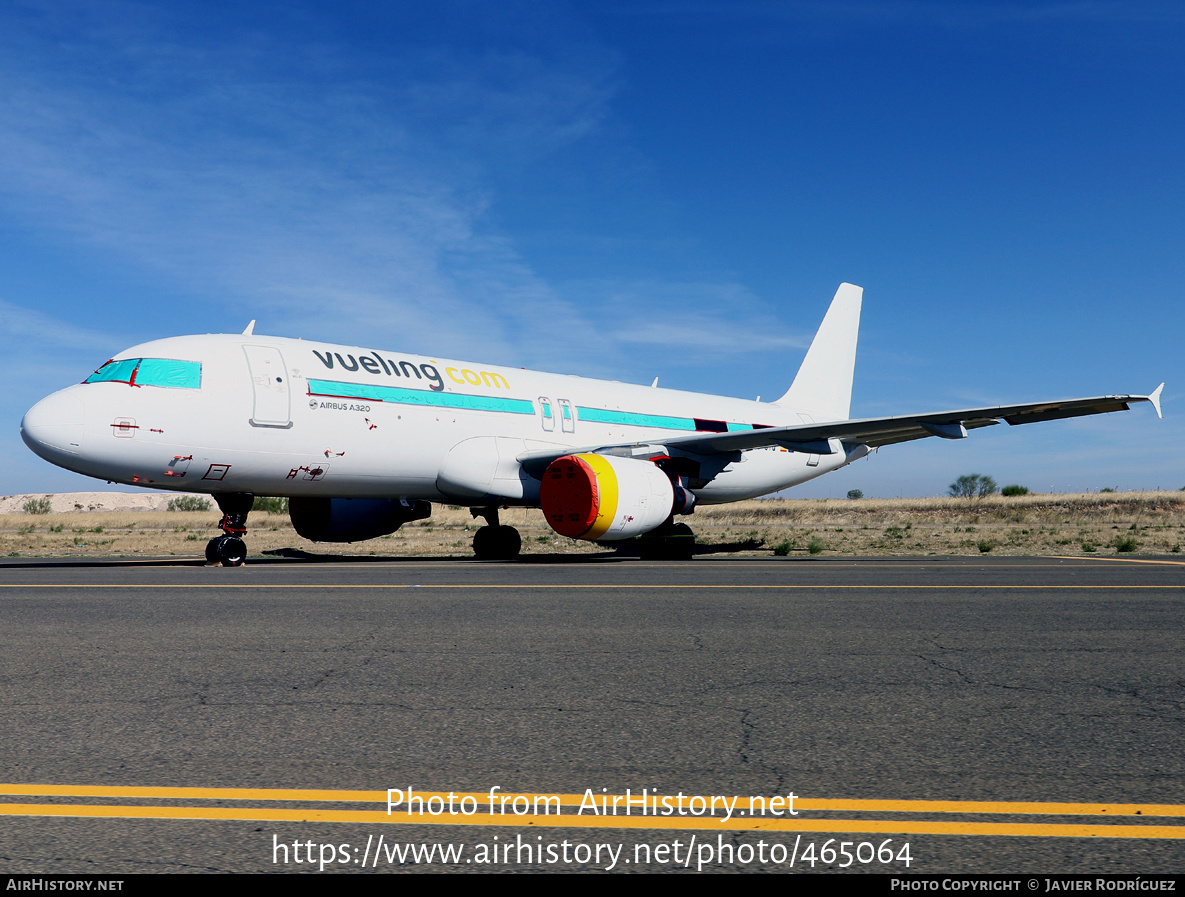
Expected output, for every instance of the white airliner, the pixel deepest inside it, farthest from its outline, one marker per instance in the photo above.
(362, 440)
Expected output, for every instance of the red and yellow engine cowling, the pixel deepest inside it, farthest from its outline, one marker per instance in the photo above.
(603, 498)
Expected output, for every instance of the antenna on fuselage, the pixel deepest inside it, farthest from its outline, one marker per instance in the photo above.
(250, 331)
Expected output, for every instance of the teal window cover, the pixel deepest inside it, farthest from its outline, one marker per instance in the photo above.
(166, 372)
(630, 418)
(170, 373)
(117, 371)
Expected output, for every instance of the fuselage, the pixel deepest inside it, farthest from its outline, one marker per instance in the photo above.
(275, 416)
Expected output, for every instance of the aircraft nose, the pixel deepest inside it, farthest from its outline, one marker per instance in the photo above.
(54, 426)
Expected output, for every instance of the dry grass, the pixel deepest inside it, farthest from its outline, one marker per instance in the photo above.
(1024, 525)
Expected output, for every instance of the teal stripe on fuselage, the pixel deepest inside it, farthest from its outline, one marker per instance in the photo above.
(399, 395)
(634, 419)
(629, 418)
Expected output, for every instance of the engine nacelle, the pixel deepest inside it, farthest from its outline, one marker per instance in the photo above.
(603, 498)
(352, 519)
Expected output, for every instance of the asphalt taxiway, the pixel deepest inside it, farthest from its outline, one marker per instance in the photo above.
(988, 686)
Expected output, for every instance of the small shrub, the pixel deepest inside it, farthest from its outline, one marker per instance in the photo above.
(1106, 489)
(38, 505)
(855, 494)
(984, 546)
(1088, 547)
(1015, 490)
(270, 504)
(815, 546)
(189, 503)
(1125, 543)
(1176, 549)
(783, 548)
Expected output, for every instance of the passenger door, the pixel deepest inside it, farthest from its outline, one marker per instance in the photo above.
(269, 383)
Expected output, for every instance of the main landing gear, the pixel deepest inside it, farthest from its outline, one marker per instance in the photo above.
(230, 550)
(494, 542)
(670, 542)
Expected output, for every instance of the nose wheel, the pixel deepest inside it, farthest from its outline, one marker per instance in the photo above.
(229, 549)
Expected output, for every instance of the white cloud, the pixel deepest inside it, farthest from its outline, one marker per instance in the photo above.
(350, 192)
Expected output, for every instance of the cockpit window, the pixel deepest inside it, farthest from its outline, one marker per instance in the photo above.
(166, 372)
(150, 372)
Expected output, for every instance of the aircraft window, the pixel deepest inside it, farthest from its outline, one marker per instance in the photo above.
(118, 371)
(165, 372)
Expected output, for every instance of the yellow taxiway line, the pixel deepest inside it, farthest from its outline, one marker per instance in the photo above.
(603, 819)
(255, 814)
(1042, 808)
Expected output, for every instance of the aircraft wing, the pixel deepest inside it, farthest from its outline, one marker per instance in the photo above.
(873, 432)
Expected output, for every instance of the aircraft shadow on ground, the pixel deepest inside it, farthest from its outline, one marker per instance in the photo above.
(282, 556)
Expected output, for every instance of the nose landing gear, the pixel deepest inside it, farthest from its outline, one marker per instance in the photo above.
(230, 550)
(494, 542)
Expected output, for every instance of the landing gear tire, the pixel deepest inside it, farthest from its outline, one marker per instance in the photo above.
(230, 551)
(670, 543)
(497, 543)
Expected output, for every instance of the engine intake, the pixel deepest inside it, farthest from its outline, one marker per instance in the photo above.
(603, 498)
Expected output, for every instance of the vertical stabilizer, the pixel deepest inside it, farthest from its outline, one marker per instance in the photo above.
(823, 386)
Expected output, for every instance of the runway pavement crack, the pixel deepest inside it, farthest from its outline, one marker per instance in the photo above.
(969, 680)
(935, 663)
(747, 728)
(1159, 706)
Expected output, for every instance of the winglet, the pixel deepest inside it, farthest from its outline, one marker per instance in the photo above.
(250, 331)
(1155, 400)
(823, 385)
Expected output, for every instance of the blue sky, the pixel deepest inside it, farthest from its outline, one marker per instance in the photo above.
(623, 191)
